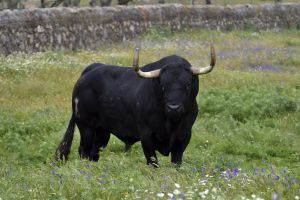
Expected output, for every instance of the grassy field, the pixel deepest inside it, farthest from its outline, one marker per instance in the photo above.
(245, 142)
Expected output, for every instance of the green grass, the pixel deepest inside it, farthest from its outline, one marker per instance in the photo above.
(249, 120)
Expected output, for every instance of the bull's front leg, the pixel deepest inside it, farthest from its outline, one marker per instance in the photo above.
(149, 150)
(178, 147)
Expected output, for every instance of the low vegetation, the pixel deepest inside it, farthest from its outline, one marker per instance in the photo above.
(245, 142)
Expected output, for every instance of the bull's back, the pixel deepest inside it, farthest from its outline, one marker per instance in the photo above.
(91, 67)
(102, 93)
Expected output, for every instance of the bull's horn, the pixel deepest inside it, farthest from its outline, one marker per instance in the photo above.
(205, 70)
(135, 65)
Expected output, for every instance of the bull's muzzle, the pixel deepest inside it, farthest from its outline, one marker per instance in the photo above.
(174, 110)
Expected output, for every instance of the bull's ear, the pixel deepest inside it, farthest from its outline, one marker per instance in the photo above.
(135, 65)
(205, 70)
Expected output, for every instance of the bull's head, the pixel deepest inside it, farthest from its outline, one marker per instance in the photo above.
(175, 81)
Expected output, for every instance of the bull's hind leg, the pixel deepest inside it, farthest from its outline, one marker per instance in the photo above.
(86, 141)
(101, 139)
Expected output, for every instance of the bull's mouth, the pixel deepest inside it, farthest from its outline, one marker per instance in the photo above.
(174, 112)
(174, 117)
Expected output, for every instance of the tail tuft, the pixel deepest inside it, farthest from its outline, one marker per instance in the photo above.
(64, 147)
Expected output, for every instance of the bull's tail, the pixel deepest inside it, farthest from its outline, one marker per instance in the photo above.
(64, 147)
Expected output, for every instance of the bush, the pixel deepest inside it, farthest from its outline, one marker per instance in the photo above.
(246, 104)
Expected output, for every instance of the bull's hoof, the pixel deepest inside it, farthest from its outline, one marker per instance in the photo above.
(155, 165)
(153, 162)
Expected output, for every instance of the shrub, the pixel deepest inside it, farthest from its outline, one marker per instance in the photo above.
(245, 104)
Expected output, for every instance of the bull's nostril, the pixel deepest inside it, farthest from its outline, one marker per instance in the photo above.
(173, 107)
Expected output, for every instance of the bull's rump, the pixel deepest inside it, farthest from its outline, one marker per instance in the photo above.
(107, 99)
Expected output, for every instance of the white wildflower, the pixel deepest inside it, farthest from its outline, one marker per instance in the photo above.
(177, 185)
(253, 196)
(214, 190)
(131, 187)
(203, 182)
(297, 197)
(160, 194)
(170, 195)
(202, 195)
(206, 191)
(176, 192)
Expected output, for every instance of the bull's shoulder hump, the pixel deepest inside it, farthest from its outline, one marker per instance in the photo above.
(174, 59)
(91, 67)
(108, 72)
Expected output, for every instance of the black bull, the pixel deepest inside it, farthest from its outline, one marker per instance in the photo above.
(156, 105)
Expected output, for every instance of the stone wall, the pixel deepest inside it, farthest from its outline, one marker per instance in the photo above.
(88, 28)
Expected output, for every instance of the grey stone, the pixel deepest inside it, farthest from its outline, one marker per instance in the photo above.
(35, 30)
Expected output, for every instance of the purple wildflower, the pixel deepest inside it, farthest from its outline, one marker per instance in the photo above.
(222, 54)
(277, 177)
(182, 195)
(285, 178)
(266, 68)
(274, 196)
(293, 181)
(194, 170)
(235, 171)
(173, 198)
(228, 173)
(203, 172)
(257, 49)
(263, 170)
(81, 172)
(88, 166)
(283, 170)
(100, 182)
(88, 176)
(255, 171)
